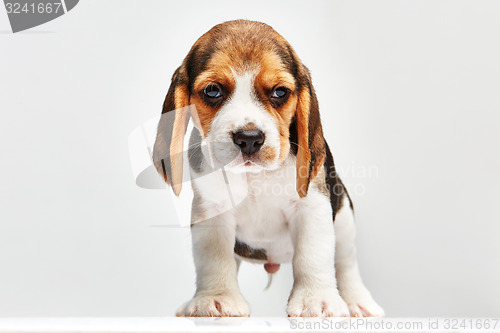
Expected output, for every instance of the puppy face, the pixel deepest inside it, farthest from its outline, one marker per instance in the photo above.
(245, 95)
(246, 134)
(254, 103)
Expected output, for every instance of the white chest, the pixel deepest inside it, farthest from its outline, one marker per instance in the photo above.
(257, 202)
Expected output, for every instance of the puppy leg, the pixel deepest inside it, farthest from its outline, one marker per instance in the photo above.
(217, 291)
(314, 292)
(351, 287)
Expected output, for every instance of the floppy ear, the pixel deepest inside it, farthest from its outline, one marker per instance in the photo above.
(311, 144)
(168, 147)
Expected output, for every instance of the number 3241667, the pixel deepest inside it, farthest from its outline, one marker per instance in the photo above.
(39, 8)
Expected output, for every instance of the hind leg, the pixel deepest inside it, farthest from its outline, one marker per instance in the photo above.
(350, 285)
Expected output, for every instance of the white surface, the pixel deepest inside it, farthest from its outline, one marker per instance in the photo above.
(48, 325)
(262, 324)
(408, 90)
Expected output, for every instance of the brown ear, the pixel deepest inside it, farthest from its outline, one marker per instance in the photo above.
(311, 144)
(169, 144)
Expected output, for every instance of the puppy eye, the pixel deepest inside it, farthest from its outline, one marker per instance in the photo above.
(212, 91)
(279, 96)
(279, 92)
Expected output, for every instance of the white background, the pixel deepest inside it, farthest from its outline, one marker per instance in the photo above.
(407, 89)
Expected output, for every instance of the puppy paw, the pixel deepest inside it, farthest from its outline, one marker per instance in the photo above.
(364, 308)
(231, 305)
(359, 300)
(321, 303)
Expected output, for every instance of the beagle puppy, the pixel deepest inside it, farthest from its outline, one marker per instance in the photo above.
(257, 132)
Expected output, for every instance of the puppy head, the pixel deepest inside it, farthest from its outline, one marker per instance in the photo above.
(254, 105)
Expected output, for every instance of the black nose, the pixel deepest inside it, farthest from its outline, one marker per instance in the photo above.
(249, 141)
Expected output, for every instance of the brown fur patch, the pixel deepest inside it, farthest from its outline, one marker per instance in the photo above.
(303, 153)
(267, 154)
(272, 74)
(249, 127)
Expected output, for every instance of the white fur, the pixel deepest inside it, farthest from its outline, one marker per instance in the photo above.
(217, 291)
(314, 290)
(352, 289)
(270, 216)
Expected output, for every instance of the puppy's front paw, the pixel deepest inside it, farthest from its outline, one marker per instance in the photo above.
(320, 303)
(365, 307)
(359, 300)
(230, 305)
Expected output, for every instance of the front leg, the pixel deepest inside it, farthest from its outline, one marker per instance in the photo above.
(314, 292)
(217, 291)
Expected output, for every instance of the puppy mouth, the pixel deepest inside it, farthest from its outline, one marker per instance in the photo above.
(239, 160)
(246, 164)
(249, 163)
